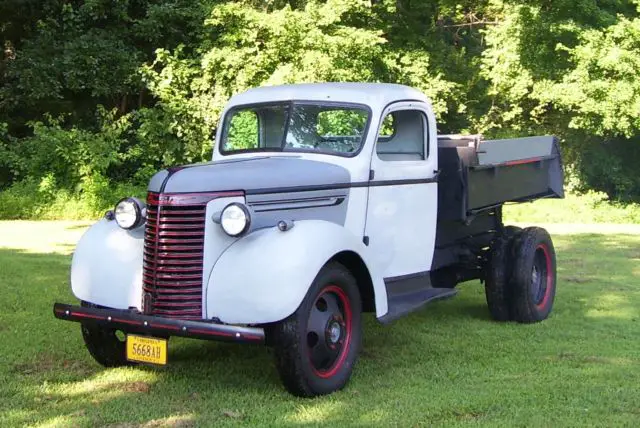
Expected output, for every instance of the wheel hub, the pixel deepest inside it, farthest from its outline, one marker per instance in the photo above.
(539, 280)
(334, 332)
(535, 277)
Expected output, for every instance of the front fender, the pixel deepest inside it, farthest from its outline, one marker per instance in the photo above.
(107, 266)
(264, 276)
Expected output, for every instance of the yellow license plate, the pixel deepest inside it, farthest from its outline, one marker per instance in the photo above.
(146, 349)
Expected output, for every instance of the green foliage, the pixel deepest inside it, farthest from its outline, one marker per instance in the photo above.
(52, 150)
(109, 92)
(573, 74)
(243, 131)
(28, 199)
(343, 122)
(251, 47)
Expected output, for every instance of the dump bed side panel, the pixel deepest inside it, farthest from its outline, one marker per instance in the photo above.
(516, 170)
(479, 175)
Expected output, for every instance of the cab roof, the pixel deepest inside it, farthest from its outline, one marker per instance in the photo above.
(372, 94)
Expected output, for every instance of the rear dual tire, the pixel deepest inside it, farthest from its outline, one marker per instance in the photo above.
(521, 277)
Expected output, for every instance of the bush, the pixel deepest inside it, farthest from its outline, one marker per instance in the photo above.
(29, 200)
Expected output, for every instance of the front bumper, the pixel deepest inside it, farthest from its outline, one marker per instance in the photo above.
(134, 322)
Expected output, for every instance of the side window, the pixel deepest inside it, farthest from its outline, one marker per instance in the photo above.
(402, 136)
(243, 131)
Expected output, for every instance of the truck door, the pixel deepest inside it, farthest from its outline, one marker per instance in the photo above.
(403, 193)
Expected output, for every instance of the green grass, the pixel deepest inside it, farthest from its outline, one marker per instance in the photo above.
(447, 365)
(588, 208)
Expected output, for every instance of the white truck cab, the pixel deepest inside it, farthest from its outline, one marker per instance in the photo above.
(322, 201)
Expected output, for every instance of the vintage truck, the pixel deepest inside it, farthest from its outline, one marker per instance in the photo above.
(321, 202)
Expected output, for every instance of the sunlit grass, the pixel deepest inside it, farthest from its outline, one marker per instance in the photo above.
(447, 365)
(585, 209)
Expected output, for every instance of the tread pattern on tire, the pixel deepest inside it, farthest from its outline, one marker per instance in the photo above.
(497, 289)
(496, 283)
(293, 370)
(523, 308)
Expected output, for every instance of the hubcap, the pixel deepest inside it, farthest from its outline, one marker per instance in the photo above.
(335, 331)
(329, 331)
(535, 281)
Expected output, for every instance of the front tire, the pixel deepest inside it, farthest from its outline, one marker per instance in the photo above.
(317, 346)
(103, 343)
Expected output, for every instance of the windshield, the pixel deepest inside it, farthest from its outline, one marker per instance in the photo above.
(295, 127)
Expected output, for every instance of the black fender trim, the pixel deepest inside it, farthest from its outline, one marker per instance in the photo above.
(134, 322)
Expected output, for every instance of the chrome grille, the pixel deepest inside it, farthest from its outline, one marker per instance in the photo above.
(173, 255)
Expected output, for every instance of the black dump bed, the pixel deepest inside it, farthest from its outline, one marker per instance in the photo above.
(477, 175)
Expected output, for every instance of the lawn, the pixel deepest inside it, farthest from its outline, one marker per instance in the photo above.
(448, 364)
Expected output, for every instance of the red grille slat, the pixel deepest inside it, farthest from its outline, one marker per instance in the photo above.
(178, 240)
(175, 313)
(177, 276)
(193, 255)
(181, 269)
(183, 220)
(172, 213)
(185, 310)
(174, 283)
(191, 303)
(177, 290)
(177, 262)
(177, 286)
(161, 266)
(182, 226)
(173, 252)
(180, 247)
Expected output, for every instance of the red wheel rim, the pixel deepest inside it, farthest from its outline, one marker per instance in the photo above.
(543, 265)
(329, 331)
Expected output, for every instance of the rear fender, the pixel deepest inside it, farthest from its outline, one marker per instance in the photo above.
(107, 266)
(264, 276)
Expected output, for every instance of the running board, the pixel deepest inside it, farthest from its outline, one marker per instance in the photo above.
(403, 304)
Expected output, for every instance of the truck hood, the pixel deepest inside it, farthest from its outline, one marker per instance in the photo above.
(253, 175)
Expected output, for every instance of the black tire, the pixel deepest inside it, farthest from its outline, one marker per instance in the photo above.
(318, 345)
(533, 276)
(511, 231)
(496, 285)
(497, 289)
(103, 343)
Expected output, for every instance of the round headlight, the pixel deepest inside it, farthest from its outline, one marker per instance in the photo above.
(235, 219)
(128, 213)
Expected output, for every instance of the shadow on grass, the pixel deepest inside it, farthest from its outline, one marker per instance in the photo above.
(49, 377)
